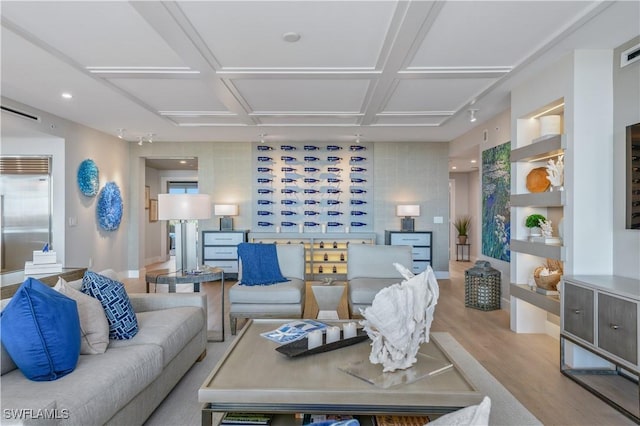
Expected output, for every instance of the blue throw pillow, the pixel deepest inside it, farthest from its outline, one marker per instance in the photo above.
(41, 331)
(123, 323)
(259, 264)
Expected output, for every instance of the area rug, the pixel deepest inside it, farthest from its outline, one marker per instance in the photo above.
(181, 407)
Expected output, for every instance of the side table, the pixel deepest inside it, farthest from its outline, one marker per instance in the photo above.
(164, 276)
(328, 298)
(460, 252)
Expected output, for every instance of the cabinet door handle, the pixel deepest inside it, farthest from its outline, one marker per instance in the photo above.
(614, 326)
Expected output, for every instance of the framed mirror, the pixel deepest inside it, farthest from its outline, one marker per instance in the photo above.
(633, 177)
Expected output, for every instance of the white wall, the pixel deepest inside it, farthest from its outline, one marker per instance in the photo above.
(85, 242)
(626, 104)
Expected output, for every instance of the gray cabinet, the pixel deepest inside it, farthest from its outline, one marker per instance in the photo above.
(220, 249)
(421, 246)
(599, 338)
(578, 311)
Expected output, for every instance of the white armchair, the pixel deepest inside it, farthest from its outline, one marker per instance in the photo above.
(370, 269)
(281, 300)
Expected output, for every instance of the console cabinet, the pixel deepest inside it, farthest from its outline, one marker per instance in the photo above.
(325, 254)
(421, 246)
(599, 338)
(220, 249)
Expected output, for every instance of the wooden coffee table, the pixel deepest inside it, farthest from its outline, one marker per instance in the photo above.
(253, 377)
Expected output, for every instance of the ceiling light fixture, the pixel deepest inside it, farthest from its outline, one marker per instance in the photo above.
(140, 140)
(472, 115)
(150, 137)
(262, 135)
(121, 133)
(291, 37)
(473, 161)
(358, 137)
(67, 95)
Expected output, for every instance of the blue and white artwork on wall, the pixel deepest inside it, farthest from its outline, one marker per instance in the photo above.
(496, 207)
(109, 207)
(88, 178)
(313, 187)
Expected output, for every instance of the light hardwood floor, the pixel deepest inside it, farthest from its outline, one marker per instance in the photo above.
(526, 364)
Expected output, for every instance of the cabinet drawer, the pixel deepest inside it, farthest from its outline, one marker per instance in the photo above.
(221, 252)
(410, 239)
(223, 238)
(228, 266)
(618, 327)
(578, 311)
(419, 266)
(420, 253)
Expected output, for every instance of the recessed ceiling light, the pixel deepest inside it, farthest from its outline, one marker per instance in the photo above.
(183, 161)
(67, 95)
(291, 37)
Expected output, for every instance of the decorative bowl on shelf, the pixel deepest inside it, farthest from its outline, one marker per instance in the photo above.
(537, 180)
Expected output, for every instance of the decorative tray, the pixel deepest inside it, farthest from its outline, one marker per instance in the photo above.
(300, 347)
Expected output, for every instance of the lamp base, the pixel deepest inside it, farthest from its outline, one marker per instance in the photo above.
(226, 224)
(407, 224)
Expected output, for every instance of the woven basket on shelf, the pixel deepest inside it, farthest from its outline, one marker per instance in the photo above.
(547, 282)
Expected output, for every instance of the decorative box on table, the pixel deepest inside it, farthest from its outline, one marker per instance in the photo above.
(482, 287)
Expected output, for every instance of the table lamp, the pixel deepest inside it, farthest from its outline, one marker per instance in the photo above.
(226, 210)
(185, 207)
(409, 211)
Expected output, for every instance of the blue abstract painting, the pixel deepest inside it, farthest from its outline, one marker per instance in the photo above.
(496, 208)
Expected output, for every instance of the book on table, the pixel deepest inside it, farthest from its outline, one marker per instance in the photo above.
(246, 419)
(390, 420)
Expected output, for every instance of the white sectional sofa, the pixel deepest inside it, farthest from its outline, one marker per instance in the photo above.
(124, 385)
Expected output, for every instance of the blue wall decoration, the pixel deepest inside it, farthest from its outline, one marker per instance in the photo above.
(496, 207)
(88, 178)
(313, 186)
(109, 208)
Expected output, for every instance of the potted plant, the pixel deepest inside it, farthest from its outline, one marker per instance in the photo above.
(462, 225)
(533, 222)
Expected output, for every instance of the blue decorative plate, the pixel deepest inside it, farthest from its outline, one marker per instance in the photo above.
(88, 180)
(109, 208)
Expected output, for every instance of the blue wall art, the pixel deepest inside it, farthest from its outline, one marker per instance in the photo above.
(88, 178)
(109, 208)
(496, 207)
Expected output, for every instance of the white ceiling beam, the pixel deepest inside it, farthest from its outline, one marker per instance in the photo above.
(168, 20)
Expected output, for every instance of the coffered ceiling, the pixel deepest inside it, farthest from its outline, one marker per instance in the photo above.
(224, 71)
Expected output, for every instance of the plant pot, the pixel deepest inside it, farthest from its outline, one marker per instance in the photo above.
(535, 232)
(462, 239)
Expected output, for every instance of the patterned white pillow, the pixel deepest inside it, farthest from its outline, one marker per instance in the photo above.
(94, 327)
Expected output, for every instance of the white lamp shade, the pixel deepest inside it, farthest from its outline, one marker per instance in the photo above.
(226, 209)
(184, 206)
(407, 210)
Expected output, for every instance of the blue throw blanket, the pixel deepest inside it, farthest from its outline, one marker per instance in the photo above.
(259, 264)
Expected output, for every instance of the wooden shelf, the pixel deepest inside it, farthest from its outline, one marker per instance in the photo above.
(538, 249)
(539, 199)
(540, 149)
(550, 304)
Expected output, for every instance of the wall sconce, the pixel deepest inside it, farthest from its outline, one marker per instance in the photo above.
(408, 212)
(226, 210)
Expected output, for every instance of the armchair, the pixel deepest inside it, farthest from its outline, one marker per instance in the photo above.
(370, 269)
(281, 300)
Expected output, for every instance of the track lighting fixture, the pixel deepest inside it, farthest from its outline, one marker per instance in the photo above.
(148, 138)
(358, 137)
(140, 140)
(472, 115)
(262, 135)
(121, 133)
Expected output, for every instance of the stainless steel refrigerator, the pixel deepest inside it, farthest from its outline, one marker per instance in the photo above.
(25, 209)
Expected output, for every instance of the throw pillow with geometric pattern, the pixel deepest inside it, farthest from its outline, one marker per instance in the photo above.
(123, 323)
